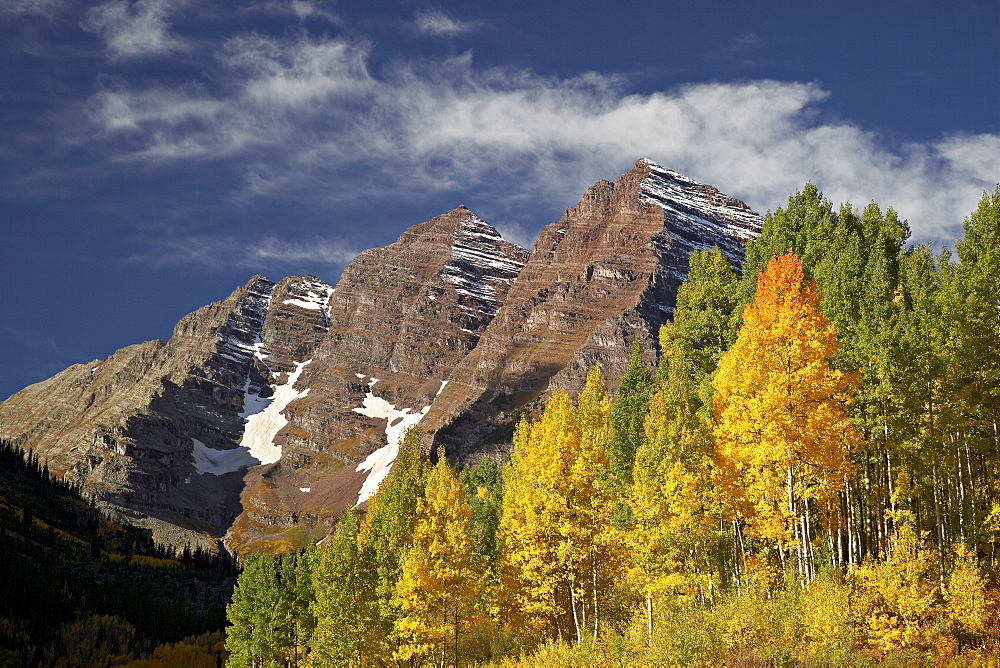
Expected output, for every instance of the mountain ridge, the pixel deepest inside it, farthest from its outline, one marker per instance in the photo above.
(303, 382)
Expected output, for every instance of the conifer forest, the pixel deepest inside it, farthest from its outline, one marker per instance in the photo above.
(809, 476)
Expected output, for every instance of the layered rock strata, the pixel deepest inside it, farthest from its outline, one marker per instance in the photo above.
(267, 413)
(252, 420)
(604, 275)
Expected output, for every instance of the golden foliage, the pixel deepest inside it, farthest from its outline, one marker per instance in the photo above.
(782, 430)
(441, 578)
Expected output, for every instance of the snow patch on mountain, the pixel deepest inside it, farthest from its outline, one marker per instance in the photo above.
(220, 462)
(264, 418)
(477, 265)
(314, 294)
(379, 463)
(698, 215)
(239, 340)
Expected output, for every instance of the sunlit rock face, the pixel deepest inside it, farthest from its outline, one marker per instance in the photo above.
(604, 275)
(250, 421)
(268, 413)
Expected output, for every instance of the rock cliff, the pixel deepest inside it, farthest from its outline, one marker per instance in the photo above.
(267, 413)
(604, 275)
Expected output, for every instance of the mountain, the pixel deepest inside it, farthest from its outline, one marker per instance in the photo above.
(604, 275)
(267, 413)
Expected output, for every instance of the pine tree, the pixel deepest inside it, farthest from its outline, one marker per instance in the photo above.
(442, 574)
(483, 485)
(782, 433)
(628, 410)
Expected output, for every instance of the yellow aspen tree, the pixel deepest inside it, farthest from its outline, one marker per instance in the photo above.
(965, 594)
(604, 543)
(675, 519)
(544, 527)
(441, 577)
(782, 431)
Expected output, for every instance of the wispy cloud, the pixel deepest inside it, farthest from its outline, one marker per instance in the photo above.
(132, 29)
(440, 24)
(746, 40)
(39, 7)
(304, 9)
(212, 253)
(290, 113)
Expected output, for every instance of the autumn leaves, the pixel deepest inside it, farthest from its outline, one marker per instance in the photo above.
(781, 425)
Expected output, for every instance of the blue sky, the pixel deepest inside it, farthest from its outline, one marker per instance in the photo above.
(155, 154)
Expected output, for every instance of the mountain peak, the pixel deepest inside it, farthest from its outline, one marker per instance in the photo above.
(451, 326)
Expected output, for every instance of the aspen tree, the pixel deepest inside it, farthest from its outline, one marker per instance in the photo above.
(672, 538)
(605, 544)
(552, 514)
(442, 575)
(388, 529)
(782, 433)
(258, 635)
(345, 606)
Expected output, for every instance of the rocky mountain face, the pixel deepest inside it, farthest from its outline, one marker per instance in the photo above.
(267, 413)
(604, 275)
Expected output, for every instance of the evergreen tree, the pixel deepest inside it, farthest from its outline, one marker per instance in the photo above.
(484, 490)
(628, 410)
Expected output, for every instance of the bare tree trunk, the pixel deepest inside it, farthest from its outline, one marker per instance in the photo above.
(649, 621)
(593, 572)
(572, 604)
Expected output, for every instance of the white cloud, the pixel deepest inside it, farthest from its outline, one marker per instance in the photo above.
(132, 29)
(439, 24)
(292, 113)
(209, 252)
(41, 7)
(278, 74)
(304, 10)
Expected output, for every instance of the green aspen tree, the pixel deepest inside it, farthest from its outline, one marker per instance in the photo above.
(675, 520)
(258, 635)
(344, 607)
(388, 529)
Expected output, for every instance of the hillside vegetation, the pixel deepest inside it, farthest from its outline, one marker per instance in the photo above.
(79, 589)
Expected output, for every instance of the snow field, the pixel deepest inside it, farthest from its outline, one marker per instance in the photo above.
(379, 463)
